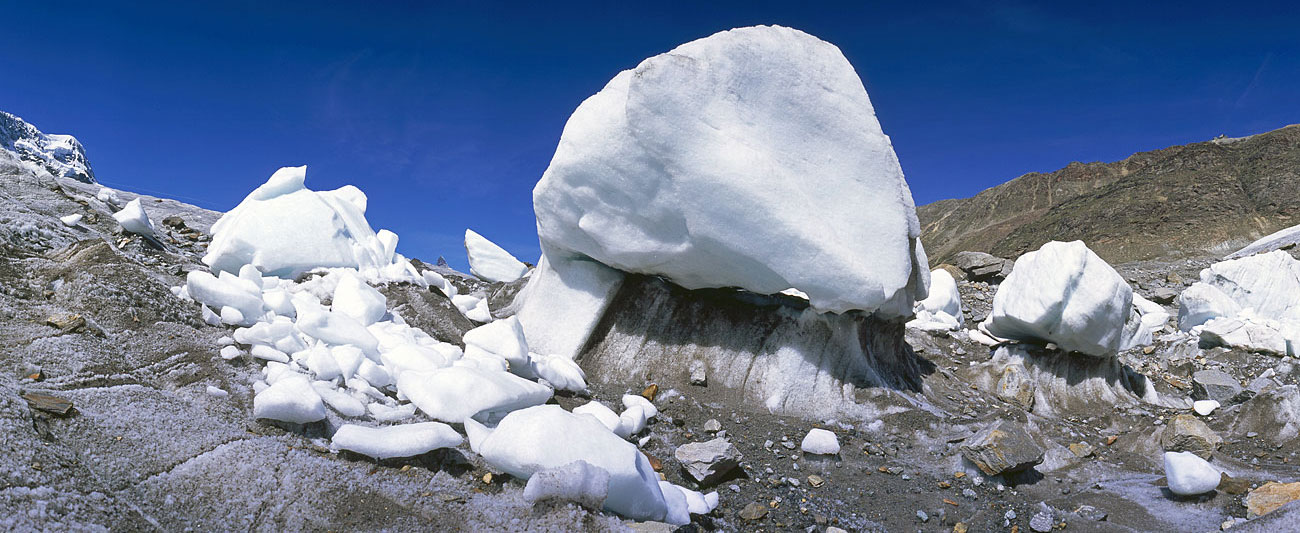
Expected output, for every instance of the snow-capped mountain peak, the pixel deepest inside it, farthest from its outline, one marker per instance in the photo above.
(61, 155)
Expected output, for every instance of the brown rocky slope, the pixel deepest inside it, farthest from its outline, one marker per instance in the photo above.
(1199, 199)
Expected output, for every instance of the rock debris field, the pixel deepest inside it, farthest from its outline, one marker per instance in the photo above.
(693, 350)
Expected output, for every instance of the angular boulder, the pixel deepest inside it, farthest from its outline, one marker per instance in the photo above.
(707, 462)
(1210, 384)
(980, 266)
(1002, 448)
(1065, 294)
(1186, 433)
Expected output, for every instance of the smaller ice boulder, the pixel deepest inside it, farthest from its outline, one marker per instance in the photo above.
(357, 299)
(1268, 284)
(1244, 333)
(290, 399)
(72, 220)
(132, 218)
(490, 262)
(577, 482)
(217, 293)
(600, 412)
(457, 393)
(820, 442)
(1201, 303)
(561, 372)
(941, 310)
(1146, 319)
(405, 440)
(503, 339)
(546, 436)
(1065, 294)
(338, 329)
(1189, 475)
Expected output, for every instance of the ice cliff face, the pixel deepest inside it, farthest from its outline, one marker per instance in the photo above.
(61, 155)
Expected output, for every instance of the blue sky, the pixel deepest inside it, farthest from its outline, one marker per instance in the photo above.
(446, 114)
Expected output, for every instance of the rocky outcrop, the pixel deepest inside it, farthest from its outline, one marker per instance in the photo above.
(1205, 198)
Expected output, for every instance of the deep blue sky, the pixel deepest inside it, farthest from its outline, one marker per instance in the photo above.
(447, 114)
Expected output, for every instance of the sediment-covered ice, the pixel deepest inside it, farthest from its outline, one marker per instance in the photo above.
(405, 440)
(546, 436)
(1063, 293)
(703, 165)
(490, 262)
(285, 229)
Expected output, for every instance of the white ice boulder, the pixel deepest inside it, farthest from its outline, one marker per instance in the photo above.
(405, 440)
(600, 411)
(357, 299)
(941, 310)
(1201, 303)
(1244, 333)
(546, 436)
(561, 372)
(752, 158)
(1063, 293)
(819, 441)
(457, 393)
(285, 229)
(1189, 475)
(338, 329)
(1146, 319)
(290, 399)
(218, 293)
(490, 262)
(503, 339)
(132, 218)
(1267, 284)
(72, 220)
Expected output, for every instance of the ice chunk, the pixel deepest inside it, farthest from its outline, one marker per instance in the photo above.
(502, 338)
(374, 374)
(941, 310)
(561, 372)
(602, 413)
(284, 229)
(386, 413)
(339, 329)
(71, 220)
(456, 393)
(217, 293)
(1205, 407)
(338, 400)
(631, 421)
(1063, 293)
(354, 298)
(1189, 475)
(577, 482)
(677, 512)
(1201, 303)
(490, 262)
(321, 362)
(704, 165)
(820, 442)
(405, 440)
(1268, 284)
(230, 352)
(1150, 317)
(413, 357)
(546, 436)
(216, 392)
(291, 400)
(132, 218)
(473, 307)
(267, 353)
(636, 400)
(108, 196)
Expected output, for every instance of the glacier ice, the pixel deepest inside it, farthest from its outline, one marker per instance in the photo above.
(578, 482)
(1189, 475)
(1063, 293)
(530, 440)
(285, 229)
(819, 441)
(704, 164)
(490, 262)
(1273, 241)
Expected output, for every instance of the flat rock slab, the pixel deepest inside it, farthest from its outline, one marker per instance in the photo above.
(48, 403)
(1214, 385)
(1002, 448)
(1269, 496)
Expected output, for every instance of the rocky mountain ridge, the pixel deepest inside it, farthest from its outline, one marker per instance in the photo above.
(1201, 199)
